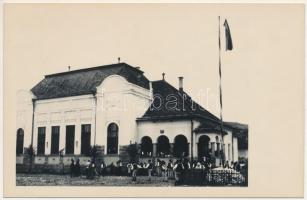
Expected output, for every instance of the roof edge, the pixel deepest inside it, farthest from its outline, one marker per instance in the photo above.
(94, 68)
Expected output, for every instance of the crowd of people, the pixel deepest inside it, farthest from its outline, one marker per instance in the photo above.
(171, 170)
(168, 170)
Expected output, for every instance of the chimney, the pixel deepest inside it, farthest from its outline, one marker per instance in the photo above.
(118, 59)
(163, 76)
(180, 83)
(68, 68)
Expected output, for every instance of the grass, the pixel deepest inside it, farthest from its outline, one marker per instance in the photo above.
(66, 180)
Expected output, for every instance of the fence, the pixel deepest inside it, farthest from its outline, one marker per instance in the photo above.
(214, 178)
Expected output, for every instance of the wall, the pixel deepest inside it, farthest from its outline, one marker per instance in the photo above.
(120, 102)
(24, 115)
(171, 130)
(117, 101)
(231, 145)
(61, 112)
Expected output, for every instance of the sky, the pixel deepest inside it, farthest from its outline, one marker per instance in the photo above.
(179, 40)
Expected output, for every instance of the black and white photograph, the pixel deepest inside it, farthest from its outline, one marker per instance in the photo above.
(111, 125)
(145, 95)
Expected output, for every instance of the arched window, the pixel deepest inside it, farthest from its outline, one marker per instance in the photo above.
(181, 147)
(19, 141)
(146, 146)
(203, 146)
(112, 140)
(163, 146)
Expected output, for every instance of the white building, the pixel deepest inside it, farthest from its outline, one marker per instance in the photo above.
(111, 107)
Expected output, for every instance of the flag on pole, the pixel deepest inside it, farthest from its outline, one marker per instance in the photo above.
(228, 36)
(229, 47)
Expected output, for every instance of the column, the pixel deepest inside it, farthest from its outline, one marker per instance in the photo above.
(48, 139)
(93, 123)
(195, 147)
(77, 149)
(171, 149)
(62, 142)
(154, 149)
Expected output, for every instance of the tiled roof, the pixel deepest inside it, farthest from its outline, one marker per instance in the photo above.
(85, 81)
(209, 127)
(179, 106)
(241, 132)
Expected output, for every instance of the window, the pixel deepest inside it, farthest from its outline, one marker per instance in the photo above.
(41, 137)
(19, 141)
(55, 139)
(146, 146)
(181, 147)
(70, 139)
(163, 146)
(85, 139)
(112, 139)
(203, 146)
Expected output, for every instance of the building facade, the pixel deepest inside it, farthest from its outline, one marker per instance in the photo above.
(112, 107)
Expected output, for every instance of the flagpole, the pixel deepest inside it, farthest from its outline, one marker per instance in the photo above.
(221, 104)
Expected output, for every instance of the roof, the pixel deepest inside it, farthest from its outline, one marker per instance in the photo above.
(85, 81)
(169, 104)
(209, 127)
(241, 132)
(237, 126)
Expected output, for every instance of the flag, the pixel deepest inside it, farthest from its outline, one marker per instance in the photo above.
(228, 36)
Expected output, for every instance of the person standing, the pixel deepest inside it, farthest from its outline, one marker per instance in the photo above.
(87, 168)
(72, 168)
(158, 167)
(134, 171)
(226, 165)
(164, 171)
(129, 168)
(170, 172)
(102, 169)
(178, 172)
(78, 168)
(149, 168)
(231, 165)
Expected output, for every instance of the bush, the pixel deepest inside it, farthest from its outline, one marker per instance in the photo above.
(133, 152)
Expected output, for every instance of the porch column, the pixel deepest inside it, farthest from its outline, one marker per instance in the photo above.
(189, 150)
(213, 148)
(171, 151)
(154, 149)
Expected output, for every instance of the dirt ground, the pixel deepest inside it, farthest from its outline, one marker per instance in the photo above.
(66, 180)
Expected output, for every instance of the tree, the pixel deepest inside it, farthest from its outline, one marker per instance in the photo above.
(133, 152)
(93, 153)
(30, 152)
